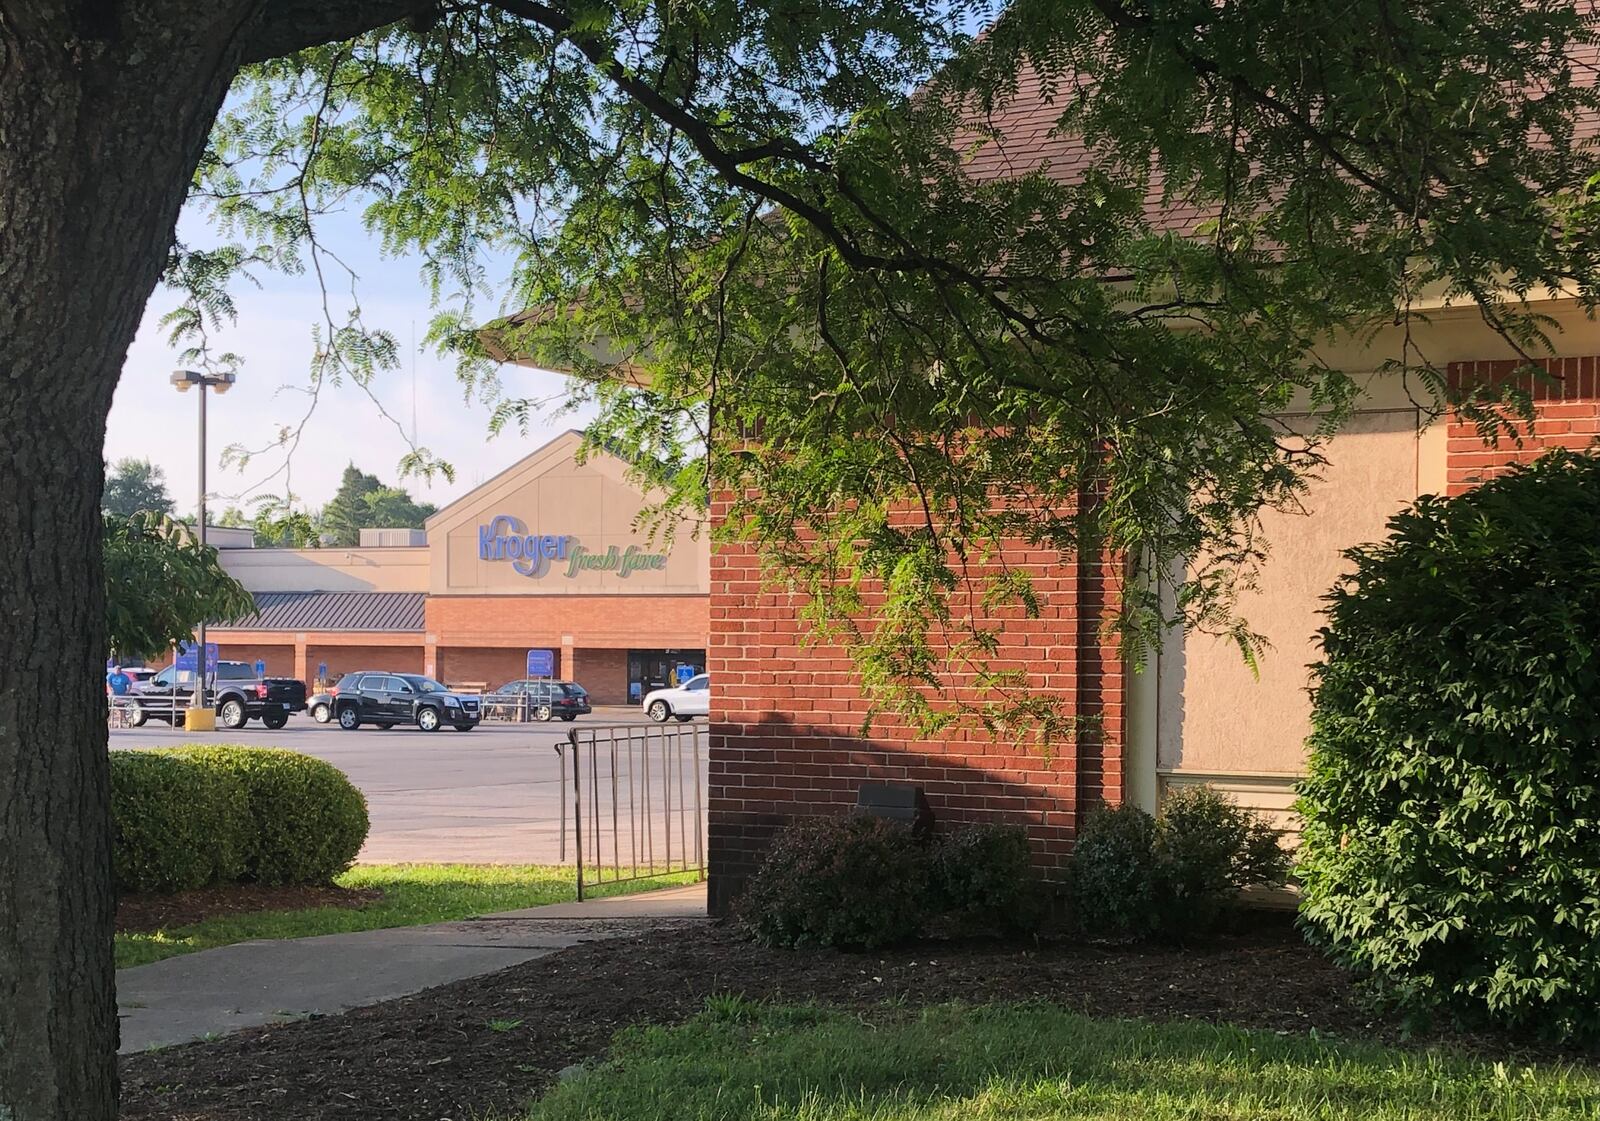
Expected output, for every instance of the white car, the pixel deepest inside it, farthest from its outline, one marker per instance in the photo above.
(691, 699)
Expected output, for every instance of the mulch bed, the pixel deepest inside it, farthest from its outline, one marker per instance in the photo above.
(137, 914)
(433, 1056)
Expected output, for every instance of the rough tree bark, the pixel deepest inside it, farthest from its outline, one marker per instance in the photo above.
(105, 106)
(101, 125)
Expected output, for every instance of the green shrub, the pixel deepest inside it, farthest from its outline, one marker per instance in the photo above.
(305, 820)
(1452, 841)
(1135, 877)
(1208, 848)
(853, 882)
(176, 824)
(982, 875)
(1113, 877)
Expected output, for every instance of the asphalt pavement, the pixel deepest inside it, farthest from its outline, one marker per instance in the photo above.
(489, 796)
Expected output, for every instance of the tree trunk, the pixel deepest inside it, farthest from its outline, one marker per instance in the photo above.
(104, 112)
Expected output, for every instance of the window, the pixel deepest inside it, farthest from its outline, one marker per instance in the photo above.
(397, 685)
(698, 684)
(164, 678)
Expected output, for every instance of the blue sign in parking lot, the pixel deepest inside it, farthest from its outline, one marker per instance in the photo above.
(187, 659)
(541, 663)
(684, 674)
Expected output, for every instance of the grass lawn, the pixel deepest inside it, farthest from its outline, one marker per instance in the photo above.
(1033, 1061)
(412, 894)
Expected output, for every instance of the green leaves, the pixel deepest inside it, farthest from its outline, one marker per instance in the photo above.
(1036, 290)
(1451, 851)
(161, 583)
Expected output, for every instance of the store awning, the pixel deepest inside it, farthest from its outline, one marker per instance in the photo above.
(333, 611)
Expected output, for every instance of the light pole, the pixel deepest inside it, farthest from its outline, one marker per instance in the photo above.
(219, 383)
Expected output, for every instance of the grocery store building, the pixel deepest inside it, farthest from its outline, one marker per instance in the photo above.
(547, 555)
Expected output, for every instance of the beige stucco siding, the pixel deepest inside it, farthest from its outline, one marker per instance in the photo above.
(329, 570)
(1217, 717)
(588, 513)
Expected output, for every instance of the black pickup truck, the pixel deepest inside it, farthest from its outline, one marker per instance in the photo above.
(234, 691)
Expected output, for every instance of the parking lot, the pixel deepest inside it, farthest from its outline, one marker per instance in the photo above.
(492, 795)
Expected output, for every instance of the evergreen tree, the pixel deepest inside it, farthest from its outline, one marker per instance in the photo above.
(136, 486)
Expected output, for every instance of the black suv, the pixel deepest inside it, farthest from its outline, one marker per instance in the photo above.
(234, 691)
(386, 699)
(534, 699)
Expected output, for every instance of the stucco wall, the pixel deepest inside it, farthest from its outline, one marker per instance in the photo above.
(1215, 715)
(329, 570)
(587, 509)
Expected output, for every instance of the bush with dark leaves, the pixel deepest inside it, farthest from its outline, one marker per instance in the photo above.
(852, 882)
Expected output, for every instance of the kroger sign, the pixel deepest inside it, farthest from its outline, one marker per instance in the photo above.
(506, 538)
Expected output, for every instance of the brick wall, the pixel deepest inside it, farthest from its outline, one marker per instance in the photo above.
(1567, 415)
(786, 718)
(490, 665)
(279, 657)
(347, 659)
(604, 673)
(608, 621)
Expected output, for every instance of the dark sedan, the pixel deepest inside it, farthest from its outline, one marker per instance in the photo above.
(532, 699)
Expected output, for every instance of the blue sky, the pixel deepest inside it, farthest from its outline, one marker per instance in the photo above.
(150, 420)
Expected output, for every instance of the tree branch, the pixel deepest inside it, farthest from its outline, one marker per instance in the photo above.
(282, 27)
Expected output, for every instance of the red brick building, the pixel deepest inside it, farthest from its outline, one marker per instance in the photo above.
(545, 555)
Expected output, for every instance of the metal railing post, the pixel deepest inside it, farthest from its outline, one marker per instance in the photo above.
(699, 811)
(577, 807)
(561, 785)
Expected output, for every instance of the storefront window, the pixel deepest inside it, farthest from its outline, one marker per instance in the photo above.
(659, 669)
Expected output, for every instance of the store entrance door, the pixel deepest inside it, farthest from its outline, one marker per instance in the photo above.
(659, 669)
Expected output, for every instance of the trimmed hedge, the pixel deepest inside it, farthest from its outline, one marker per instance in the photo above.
(1114, 875)
(305, 821)
(1174, 877)
(177, 824)
(983, 878)
(1452, 805)
(853, 882)
(190, 817)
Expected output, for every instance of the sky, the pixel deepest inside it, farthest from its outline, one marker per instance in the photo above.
(150, 420)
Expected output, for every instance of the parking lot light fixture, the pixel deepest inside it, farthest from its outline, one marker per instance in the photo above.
(197, 717)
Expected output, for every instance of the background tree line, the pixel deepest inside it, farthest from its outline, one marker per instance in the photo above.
(362, 501)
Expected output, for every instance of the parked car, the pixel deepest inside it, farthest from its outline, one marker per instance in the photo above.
(320, 706)
(685, 702)
(536, 699)
(387, 699)
(234, 690)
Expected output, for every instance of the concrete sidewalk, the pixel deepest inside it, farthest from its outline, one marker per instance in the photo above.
(253, 983)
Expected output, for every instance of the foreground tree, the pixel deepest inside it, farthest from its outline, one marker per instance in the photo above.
(742, 204)
(136, 485)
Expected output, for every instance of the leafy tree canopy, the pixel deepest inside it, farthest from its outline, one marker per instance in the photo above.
(823, 238)
(135, 485)
(161, 583)
(363, 502)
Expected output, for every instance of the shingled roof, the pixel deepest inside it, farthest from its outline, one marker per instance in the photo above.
(333, 611)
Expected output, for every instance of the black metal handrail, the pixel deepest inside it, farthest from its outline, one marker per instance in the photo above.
(638, 801)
